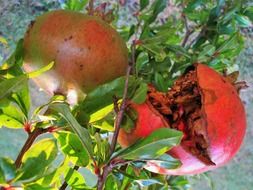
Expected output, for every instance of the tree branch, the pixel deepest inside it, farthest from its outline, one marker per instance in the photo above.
(188, 30)
(31, 138)
(108, 168)
(91, 7)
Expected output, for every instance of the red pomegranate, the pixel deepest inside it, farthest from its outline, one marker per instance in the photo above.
(202, 104)
(86, 50)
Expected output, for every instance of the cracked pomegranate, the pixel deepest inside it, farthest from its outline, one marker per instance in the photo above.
(203, 105)
(86, 50)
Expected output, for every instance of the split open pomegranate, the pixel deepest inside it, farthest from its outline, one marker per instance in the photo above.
(206, 107)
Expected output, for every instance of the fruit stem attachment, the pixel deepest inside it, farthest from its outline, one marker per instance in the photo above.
(120, 113)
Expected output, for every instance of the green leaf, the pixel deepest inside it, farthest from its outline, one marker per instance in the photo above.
(207, 51)
(12, 85)
(179, 50)
(7, 170)
(75, 5)
(103, 95)
(242, 21)
(157, 50)
(153, 146)
(157, 7)
(16, 58)
(40, 71)
(81, 132)
(179, 182)
(143, 4)
(23, 100)
(52, 176)
(100, 114)
(147, 182)
(141, 93)
(3, 40)
(10, 114)
(75, 180)
(72, 146)
(10, 122)
(160, 83)
(165, 161)
(35, 186)
(37, 159)
(111, 183)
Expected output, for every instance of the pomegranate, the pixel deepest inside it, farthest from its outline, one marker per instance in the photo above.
(203, 105)
(86, 50)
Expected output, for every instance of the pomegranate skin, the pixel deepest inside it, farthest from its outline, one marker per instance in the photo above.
(86, 50)
(148, 121)
(225, 121)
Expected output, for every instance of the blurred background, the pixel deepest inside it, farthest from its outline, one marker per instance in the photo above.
(15, 16)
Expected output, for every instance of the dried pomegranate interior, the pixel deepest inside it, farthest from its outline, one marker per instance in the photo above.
(182, 109)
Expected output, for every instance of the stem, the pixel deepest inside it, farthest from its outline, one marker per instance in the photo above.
(91, 7)
(188, 30)
(31, 138)
(65, 184)
(120, 113)
(108, 167)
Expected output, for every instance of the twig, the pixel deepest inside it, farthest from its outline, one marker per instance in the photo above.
(108, 167)
(201, 34)
(31, 138)
(188, 30)
(65, 184)
(120, 113)
(91, 7)
(123, 104)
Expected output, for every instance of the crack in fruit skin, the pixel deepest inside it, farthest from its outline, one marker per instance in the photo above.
(86, 50)
(225, 127)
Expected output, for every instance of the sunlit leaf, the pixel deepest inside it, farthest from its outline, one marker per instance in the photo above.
(75, 180)
(165, 161)
(7, 170)
(40, 71)
(81, 132)
(3, 40)
(101, 113)
(75, 5)
(153, 146)
(72, 146)
(10, 122)
(103, 95)
(37, 159)
(12, 85)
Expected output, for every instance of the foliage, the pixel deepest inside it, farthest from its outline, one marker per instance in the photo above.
(198, 31)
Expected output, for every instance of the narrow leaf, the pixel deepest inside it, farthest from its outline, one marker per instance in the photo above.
(40, 71)
(72, 146)
(153, 146)
(140, 94)
(7, 170)
(165, 161)
(103, 95)
(12, 85)
(37, 159)
(81, 132)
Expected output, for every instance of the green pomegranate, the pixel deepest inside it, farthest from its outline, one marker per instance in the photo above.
(85, 49)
